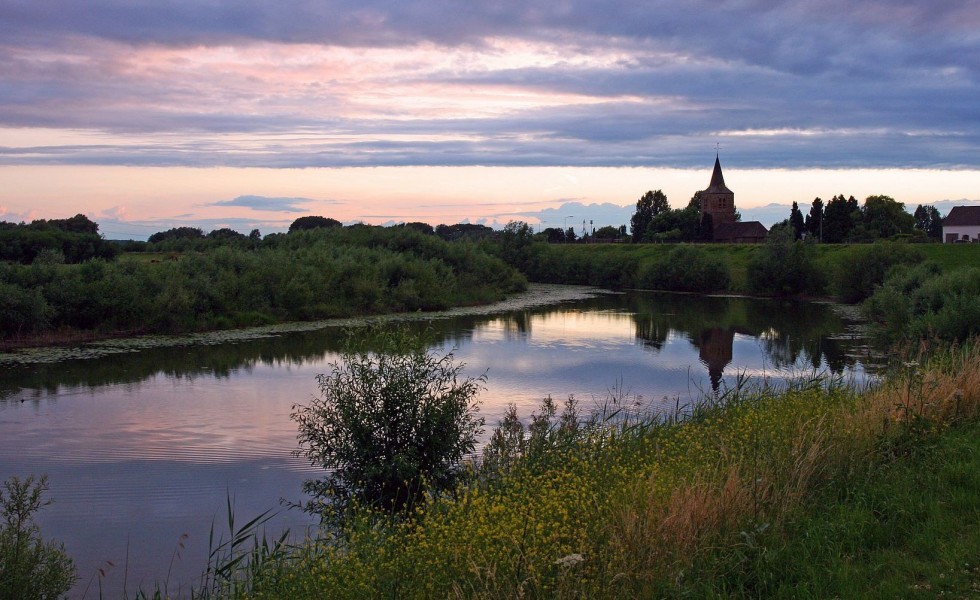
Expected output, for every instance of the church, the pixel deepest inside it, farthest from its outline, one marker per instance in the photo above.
(718, 214)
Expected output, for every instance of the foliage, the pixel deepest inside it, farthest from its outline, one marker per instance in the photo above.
(929, 221)
(923, 303)
(464, 231)
(29, 567)
(685, 268)
(73, 240)
(389, 425)
(313, 222)
(608, 232)
(648, 206)
(882, 217)
(786, 267)
(861, 269)
(814, 220)
(176, 233)
(513, 244)
(314, 274)
(796, 221)
(840, 217)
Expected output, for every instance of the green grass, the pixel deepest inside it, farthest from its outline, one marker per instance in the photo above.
(910, 530)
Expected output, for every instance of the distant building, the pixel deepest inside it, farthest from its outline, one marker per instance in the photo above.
(718, 213)
(962, 224)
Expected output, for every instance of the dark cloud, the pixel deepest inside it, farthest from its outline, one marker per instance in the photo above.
(269, 204)
(829, 83)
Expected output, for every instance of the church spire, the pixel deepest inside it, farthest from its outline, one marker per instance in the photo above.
(717, 179)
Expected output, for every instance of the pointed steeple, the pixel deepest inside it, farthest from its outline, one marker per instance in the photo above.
(717, 179)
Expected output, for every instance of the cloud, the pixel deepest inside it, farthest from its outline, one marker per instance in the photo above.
(337, 83)
(572, 214)
(270, 204)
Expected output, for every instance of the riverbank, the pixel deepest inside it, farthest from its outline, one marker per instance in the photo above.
(742, 496)
(537, 294)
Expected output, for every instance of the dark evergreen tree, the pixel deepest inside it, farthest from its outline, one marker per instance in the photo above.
(839, 219)
(815, 219)
(796, 220)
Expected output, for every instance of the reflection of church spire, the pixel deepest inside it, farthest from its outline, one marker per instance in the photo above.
(715, 351)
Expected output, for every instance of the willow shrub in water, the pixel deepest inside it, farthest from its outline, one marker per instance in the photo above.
(390, 424)
(29, 566)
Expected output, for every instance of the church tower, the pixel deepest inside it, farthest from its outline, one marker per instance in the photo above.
(718, 201)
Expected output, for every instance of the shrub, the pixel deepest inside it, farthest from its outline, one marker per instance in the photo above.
(29, 567)
(785, 267)
(863, 268)
(923, 303)
(389, 424)
(686, 269)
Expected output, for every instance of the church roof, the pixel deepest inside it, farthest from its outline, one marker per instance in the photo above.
(740, 231)
(717, 179)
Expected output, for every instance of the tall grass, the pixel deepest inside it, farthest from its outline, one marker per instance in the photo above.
(642, 507)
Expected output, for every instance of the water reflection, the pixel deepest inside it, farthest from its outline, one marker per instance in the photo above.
(151, 441)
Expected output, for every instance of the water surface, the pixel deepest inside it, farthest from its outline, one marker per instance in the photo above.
(142, 449)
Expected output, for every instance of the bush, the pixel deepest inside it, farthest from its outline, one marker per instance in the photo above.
(863, 268)
(923, 303)
(29, 567)
(389, 424)
(785, 268)
(686, 269)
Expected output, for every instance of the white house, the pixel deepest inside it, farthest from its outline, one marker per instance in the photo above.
(962, 224)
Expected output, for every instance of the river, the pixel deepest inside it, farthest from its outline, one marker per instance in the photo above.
(144, 444)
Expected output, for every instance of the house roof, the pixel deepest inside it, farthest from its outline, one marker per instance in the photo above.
(962, 215)
(717, 179)
(740, 230)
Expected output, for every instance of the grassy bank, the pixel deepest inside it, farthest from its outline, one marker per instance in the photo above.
(620, 265)
(756, 494)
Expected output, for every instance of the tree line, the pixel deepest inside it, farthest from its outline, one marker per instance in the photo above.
(847, 221)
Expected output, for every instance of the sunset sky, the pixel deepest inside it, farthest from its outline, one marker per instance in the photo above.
(243, 113)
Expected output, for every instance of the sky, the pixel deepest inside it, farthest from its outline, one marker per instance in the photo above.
(248, 114)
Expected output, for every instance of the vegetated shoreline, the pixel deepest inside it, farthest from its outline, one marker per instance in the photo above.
(738, 497)
(53, 348)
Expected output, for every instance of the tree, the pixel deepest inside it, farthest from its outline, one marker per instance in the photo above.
(929, 221)
(648, 206)
(389, 425)
(607, 233)
(29, 567)
(796, 221)
(177, 233)
(814, 220)
(553, 235)
(839, 218)
(226, 234)
(884, 217)
(313, 222)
